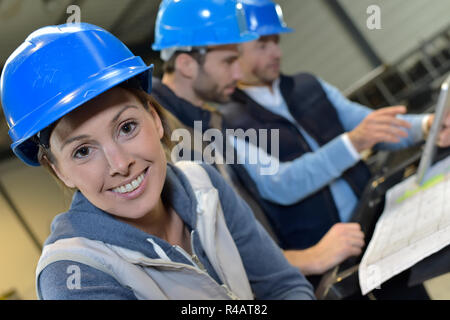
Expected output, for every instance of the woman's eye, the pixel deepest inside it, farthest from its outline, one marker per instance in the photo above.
(127, 128)
(81, 152)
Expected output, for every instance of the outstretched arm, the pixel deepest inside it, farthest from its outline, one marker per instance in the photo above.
(286, 183)
(289, 182)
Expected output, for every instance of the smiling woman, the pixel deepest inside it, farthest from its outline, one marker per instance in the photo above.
(138, 226)
(105, 147)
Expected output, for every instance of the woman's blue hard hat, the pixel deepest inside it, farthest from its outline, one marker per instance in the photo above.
(57, 69)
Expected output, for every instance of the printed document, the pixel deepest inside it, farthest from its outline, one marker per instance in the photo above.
(415, 223)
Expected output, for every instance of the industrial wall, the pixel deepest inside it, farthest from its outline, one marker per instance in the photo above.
(322, 45)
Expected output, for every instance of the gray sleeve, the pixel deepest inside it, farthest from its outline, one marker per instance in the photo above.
(68, 280)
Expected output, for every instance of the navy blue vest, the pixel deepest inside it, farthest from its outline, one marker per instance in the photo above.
(303, 224)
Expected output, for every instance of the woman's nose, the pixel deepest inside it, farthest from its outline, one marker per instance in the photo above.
(118, 159)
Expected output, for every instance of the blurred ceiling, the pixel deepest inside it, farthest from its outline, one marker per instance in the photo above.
(132, 21)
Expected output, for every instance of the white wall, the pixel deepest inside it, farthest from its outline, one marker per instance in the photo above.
(322, 46)
(38, 198)
(18, 256)
(405, 23)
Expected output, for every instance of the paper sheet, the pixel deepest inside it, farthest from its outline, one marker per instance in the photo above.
(414, 224)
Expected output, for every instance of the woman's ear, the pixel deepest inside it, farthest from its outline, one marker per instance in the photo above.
(158, 122)
(60, 176)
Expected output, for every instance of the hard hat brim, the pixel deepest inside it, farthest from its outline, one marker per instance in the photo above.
(271, 31)
(244, 37)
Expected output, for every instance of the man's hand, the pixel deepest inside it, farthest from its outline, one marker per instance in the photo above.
(342, 241)
(380, 126)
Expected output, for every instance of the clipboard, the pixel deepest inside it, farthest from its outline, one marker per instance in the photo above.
(442, 109)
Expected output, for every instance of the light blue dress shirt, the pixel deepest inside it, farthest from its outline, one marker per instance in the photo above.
(297, 179)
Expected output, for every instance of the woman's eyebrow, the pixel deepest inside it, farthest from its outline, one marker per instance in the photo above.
(70, 140)
(122, 111)
(84, 136)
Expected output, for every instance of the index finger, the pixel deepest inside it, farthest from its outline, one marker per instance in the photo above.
(392, 110)
(392, 121)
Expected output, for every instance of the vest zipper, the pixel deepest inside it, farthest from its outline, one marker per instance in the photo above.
(189, 257)
(192, 258)
(230, 293)
(202, 267)
(199, 265)
(194, 255)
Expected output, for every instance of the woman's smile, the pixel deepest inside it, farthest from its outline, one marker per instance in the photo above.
(134, 188)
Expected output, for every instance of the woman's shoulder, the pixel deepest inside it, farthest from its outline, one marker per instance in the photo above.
(69, 280)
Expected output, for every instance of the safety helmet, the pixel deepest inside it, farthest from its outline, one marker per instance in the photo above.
(183, 24)
(264, 17)
(57, 69)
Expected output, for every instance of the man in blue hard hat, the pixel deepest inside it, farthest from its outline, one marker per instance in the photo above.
(321, 174)
(200, 57)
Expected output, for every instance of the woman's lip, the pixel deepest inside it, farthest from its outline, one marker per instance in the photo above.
(128, 181)
(136, 192)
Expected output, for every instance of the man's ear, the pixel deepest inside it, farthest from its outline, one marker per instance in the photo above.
(61, 177)
(186, 65)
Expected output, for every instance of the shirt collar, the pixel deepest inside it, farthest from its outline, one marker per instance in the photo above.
(264, 96)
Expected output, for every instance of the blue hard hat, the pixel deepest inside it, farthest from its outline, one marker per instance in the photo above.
(264, 17)
(57, 69)
(197, 23)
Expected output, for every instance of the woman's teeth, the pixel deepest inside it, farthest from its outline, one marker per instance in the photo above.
(133, 185)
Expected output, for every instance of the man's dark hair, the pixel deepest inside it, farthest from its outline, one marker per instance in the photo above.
(169, 65)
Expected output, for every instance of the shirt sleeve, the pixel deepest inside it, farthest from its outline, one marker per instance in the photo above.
(350, 113)
(350, 147)
(69, 280)
(270, 274)
(288, 182)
